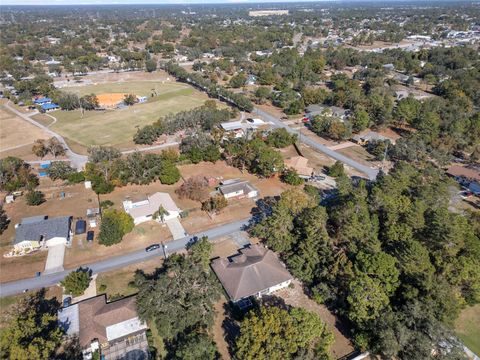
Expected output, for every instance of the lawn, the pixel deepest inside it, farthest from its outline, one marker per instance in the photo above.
(467, 328)
(117, 127)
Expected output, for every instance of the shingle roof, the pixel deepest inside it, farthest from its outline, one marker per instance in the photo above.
(467, 172)
(229, 188)
(253, 270)
(95, 315)
(37, 227)
(154, 202)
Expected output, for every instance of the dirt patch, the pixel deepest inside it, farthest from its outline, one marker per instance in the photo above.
(16, 132)
(297, 298)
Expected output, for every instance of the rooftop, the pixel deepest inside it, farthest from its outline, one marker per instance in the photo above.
(38, 227)
(154, 202)
(470, 173)
(253, 270)
(229, 187)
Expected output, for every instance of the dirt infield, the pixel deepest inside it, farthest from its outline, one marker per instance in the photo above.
(110, 99)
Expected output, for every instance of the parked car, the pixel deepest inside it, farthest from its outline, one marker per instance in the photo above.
(152, 247)
(38, 273)
(67, 301)
(90, 235)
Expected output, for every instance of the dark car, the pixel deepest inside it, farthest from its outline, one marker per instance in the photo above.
(67, 301)
(152, 247)
(90, 235)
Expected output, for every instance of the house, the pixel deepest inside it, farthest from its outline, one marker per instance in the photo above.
(368, 136)
(256, 271)
(251, 80)
(299, 164)
(389, 67)
(41, 101)
(467, 176)
(332, 111)
(113, 330)
(142, 209)
(234, 128)
(236, 188)
(36, 231)
(49, 107)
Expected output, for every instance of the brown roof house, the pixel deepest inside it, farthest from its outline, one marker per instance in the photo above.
(300, 165)
(256, 271)
(111, 328)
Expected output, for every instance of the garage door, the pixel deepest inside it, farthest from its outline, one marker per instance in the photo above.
(54, 263)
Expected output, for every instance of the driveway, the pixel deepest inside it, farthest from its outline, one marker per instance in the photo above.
(54, 263)
(176, 228)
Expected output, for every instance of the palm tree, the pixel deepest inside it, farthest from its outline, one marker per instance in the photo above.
(160, 213)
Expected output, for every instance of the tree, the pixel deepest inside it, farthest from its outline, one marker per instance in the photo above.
(200, 252)
(60, 170)
(274, 333)
(32, 331)
(4, 220)
(179, 297)
(55, 147)
(15, 174)
(262, 93)
(366, 299)
(360, 120)
(76, 282)
(40, 148)
(194, 188)
(115, 224)
(160, 214)
(380, 266)
(169, 173)
(89, 102)
(151, 65)
(238, 80)
(290, 176)
(195, 346)
(130, 99)
(35, 198)
(215, 204)
(267, 163)
(68, 101)
(336, 170)
(280, 138)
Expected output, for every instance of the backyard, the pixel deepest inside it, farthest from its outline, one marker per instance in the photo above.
(467, 327)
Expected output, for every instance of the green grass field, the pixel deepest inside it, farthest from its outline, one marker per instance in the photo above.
(117, 127)
(467, 328)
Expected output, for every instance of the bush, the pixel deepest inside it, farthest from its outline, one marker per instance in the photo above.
(169, 174)
(336, 169)
(215, 204)
(280, 138)
(102, 288)
(115, 224)
(76, 177)
(35, 198)
(105, 204)
(194, 188)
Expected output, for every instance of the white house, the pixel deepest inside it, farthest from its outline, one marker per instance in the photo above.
(142, 209)
(236, 188)
(36, 231)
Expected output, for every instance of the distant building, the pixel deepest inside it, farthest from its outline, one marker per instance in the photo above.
(251, 80)
(37, 231)
(143, 208)
(237, 188)
(50, 107)
(256, 271)
(42, 101)
(334, 111)
(369, 136)
(238, 129)
(256, 13)
(112, 329)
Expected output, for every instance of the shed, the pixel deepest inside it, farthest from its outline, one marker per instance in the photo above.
(80, 227)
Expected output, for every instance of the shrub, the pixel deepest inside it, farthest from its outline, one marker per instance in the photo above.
(77, 281)
(290, 176)
(194, 188)
(35, 198)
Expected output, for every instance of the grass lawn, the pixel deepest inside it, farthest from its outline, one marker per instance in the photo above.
(467, 328)
(117, 127)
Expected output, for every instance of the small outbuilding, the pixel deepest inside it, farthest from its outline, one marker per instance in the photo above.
(80, 227)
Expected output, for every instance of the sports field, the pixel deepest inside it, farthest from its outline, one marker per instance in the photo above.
(116, 127)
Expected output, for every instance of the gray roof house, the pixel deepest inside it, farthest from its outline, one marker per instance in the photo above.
(32, 231)
(236, 188)
(255, 271)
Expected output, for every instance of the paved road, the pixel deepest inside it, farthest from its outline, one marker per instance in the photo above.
(78, 161)
(370, 172)
(16, 287)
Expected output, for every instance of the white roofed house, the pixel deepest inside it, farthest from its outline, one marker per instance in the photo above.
(236, 188)
(142, 209)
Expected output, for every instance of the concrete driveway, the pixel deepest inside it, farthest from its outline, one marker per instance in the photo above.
(54, 263)
(176, 228)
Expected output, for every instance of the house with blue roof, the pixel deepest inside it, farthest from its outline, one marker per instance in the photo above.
(50, 107)
(41, 101)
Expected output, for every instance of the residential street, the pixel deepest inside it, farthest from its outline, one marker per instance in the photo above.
(16, 287)
(370, 172)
